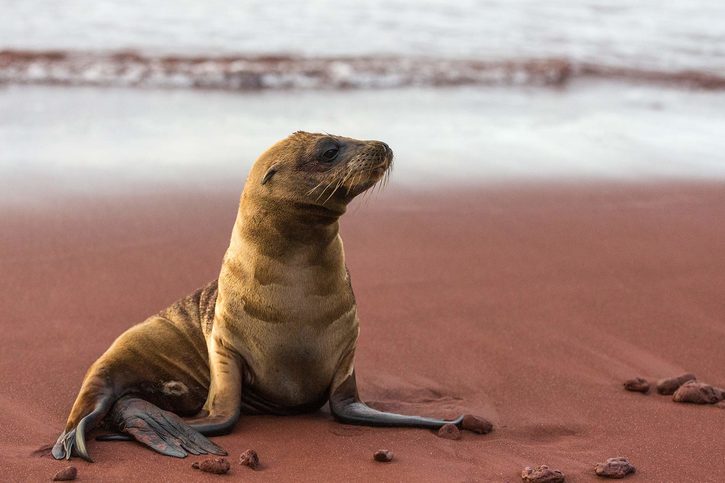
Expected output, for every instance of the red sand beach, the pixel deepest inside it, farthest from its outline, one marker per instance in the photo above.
(525, 304)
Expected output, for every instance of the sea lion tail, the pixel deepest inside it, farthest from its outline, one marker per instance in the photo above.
(160, 430)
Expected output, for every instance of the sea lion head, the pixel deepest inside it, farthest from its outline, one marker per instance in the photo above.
(318, 171)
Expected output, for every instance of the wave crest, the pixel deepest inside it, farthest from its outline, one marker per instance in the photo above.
(132, 69)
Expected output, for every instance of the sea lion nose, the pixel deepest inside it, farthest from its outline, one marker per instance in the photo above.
(384, 148)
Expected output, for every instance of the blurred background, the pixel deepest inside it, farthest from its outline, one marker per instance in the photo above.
(551, 227)
(190, 92)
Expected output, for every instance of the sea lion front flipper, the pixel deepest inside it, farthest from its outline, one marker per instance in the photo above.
(347, 407)
(160, 430)
(223, 404)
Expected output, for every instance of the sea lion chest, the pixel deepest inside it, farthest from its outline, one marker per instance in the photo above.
(294, 364)
(292, 327)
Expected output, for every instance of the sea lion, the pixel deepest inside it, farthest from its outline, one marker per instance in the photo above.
(275, 334)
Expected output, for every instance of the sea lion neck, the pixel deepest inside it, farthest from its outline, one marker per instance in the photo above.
(280, 255)
(279, 226)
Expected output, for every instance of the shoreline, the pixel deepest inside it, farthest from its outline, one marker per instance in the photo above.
(549, 295)
(140, 139)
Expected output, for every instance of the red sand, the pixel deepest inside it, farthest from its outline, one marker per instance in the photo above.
(527, 305)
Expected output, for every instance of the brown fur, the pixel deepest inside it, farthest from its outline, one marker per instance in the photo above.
(280, 324)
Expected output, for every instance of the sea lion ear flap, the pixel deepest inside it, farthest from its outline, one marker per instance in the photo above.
(270, 172)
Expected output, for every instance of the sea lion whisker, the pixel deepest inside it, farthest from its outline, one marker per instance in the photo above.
(329, 180)
(341, 181)
(332, 192)
(341, 175)
(316, 186)
(366, 197)
(337, 186)
(349, 173)
(324, 180)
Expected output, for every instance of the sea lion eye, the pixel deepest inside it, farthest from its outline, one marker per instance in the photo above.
(330, 155)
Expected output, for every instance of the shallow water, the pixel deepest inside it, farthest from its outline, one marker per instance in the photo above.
(120, 138)
(503, 126)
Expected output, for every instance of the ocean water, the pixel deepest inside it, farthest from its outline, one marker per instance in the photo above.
(657, 34)
(257, 44)
(89, 138)
(467, 92)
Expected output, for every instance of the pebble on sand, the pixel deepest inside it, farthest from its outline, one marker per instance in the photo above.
(449, 431)
(66, 474)
(542, 474)
(618, 468)
(668, 386)
(638, 384)
(698, 393)
(383, 455)
(249, 458)
(218, 466)
(476, 424)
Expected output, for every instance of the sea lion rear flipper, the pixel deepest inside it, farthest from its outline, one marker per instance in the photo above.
(73, 441)
(160, 430)
(347, 407)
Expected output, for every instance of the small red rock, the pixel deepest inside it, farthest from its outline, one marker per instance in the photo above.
(449, 431)
(721, 404)
(383, 455)
(668, 386)
(476, 424)
(249, 458)
(542, 474)
(66, 474)
(218, 466)
(614, 468)
(698, 393)
(638, 384)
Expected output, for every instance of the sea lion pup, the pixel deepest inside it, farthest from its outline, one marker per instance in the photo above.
(276, 334)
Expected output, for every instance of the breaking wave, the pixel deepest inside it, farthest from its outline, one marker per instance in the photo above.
(132, 69)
